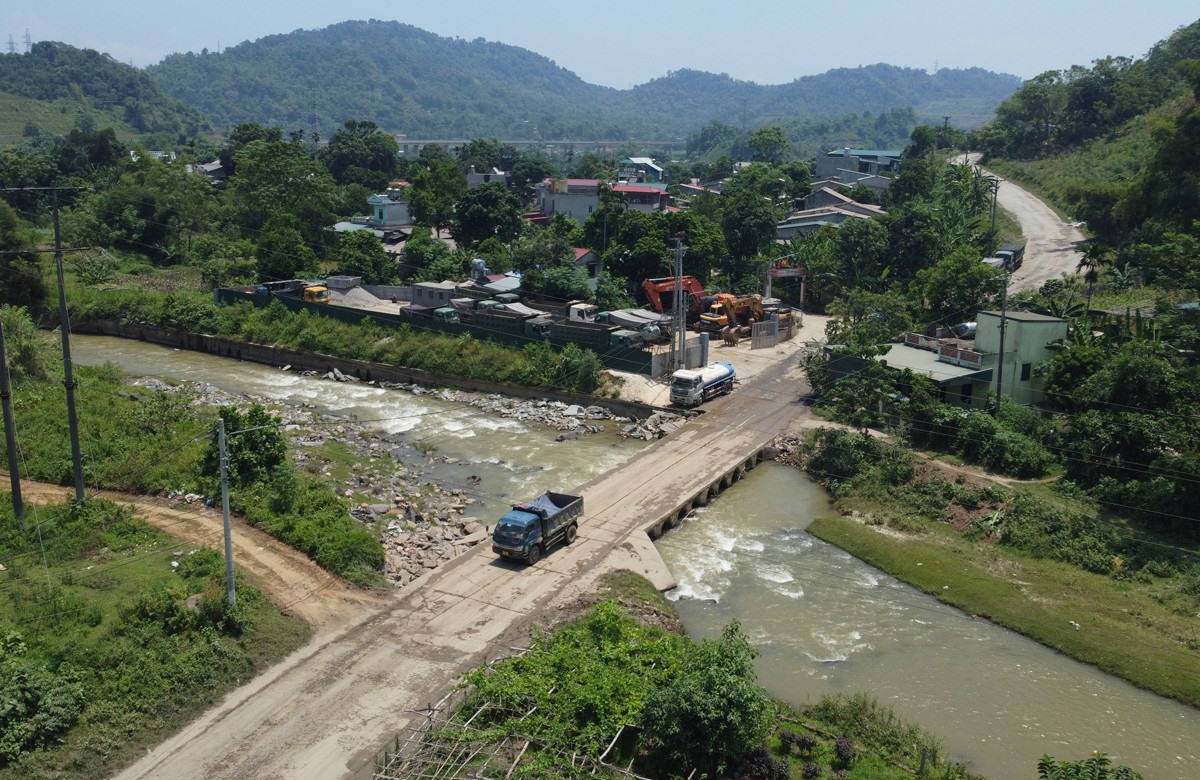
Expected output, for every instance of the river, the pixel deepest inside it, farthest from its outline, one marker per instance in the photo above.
(824, 621)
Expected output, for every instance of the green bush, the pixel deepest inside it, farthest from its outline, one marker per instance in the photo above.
(306, 514)
(986, 441)
(1048, 531)
(37, 706)
(711, 714)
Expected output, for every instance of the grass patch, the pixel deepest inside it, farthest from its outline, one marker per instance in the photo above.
(115, 635)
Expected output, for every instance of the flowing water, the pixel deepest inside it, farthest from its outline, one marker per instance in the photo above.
(824, 621)
(495, 460)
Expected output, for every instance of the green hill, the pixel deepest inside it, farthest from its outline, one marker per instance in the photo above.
(55, 87)
(407, 80)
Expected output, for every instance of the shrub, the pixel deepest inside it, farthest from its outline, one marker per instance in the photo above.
(314, 521)
(712, 713)
(844, 749)
(758, 764)
(39, 705)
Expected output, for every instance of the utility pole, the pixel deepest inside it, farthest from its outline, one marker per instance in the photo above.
(10, 435)
(64, 326)
(679, 315)
(64, 323)
(1000, 354)
(995, 193)
(230, 590)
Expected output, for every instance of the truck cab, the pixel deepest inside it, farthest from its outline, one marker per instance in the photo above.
(532, 528)
(316, 293)
(582, 312)
(517, 533)
(692, 388)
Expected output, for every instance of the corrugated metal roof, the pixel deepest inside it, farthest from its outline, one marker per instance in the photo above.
(926, 363)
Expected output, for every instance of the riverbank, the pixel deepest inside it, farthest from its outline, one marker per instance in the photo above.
(1117, 625)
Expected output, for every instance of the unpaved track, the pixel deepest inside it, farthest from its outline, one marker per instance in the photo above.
(1051, 244)
(324, 712)
(293, 581)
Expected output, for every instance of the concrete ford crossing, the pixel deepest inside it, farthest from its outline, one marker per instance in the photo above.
(532, 528)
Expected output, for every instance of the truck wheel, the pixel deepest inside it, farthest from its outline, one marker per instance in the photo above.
(572, 532)
(535, 554)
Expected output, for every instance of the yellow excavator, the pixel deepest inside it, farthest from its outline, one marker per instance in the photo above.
(727, 310)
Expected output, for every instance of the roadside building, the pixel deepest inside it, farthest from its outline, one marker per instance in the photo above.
(868, 161)
(640, 170)
(474, 178)
(965, 370)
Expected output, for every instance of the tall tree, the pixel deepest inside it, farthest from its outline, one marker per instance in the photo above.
(281, 252)
(21, 282)
(486, 211)
(955, 289)
(748, 222)
(768, 144)
(276, 177)
(435, 191)
(480, 154)
(359, 253)
(361, 153)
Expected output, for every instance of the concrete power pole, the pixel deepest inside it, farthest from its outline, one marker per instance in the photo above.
(1000, 356)
(10, 435)
(64, 326)
(230, 590)
(679, 314)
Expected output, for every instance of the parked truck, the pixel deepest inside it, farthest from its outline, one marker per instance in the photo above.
(692, 388)
(653, 327)
(1013, 254)
(532, 528)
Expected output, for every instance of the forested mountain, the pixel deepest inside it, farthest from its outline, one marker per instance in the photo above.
(1116, 145)
(85, 83)
(407, 80)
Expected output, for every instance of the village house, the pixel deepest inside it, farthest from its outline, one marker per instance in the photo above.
(966, 370)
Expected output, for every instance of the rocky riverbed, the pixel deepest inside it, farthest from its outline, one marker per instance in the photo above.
(421, 523)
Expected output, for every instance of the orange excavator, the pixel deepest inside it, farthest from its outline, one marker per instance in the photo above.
(661, 294)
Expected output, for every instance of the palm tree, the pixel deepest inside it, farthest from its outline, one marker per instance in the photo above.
(1094, 256)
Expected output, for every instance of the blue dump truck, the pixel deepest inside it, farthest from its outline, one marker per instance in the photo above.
(532, 528)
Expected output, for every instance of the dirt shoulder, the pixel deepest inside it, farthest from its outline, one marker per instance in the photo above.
(296, 584)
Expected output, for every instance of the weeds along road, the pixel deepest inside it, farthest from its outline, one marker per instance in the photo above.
(326, 710)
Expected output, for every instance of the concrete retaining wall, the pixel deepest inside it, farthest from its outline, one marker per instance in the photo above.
(311, 361)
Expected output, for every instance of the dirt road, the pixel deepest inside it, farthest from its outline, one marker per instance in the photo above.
(1051, 244)
(293, 581)
(324, 712)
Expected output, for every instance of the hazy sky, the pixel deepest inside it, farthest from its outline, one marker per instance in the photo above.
(622, 44)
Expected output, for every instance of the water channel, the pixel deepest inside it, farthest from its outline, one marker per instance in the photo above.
(824, 621)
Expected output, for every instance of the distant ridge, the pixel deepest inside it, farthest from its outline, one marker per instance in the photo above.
(408, 80)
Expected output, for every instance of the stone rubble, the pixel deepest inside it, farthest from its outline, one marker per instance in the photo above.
(421, 524)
